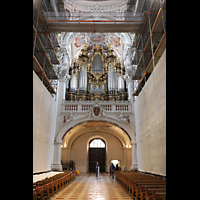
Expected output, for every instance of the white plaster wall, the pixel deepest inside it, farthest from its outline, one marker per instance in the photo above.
(114, 151)
(150, 121)
(44, 108)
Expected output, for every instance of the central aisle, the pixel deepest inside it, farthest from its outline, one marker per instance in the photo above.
(87, 186)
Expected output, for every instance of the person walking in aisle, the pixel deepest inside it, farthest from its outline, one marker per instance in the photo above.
(97, 165)
(112, 170)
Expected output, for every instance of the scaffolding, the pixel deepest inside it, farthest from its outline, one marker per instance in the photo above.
(44, 47)
(146, 18)
(150, 42)
(93, 21)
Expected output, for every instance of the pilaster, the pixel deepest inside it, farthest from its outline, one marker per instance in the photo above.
(56, 165)
(134, 165)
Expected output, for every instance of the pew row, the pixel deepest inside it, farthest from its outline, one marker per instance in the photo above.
(142, 186)
(47, 187)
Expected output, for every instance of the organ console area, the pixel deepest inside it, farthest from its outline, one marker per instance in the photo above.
(97, 74)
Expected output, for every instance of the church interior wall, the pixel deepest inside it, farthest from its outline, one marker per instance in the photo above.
(80, 147)
(95, 76)
(150, 121)
(44, 107)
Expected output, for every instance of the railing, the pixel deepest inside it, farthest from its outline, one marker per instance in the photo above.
(84, 106)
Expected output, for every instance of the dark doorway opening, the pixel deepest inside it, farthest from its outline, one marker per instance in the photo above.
(97, 153)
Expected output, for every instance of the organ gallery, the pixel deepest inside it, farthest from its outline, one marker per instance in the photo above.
(97, 73)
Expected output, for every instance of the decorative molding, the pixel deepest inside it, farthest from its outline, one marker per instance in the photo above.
(96, 111)
(123, 118)
(68, 117)
(88, 6)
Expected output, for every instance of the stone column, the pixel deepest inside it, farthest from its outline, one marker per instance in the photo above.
(60, 96)
(134, 165)
(62, 89)
(56, 165)
(130, 89)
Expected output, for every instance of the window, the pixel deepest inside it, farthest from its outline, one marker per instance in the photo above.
(97, 143)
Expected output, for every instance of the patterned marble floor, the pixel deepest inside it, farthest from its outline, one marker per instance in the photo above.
(88, 187)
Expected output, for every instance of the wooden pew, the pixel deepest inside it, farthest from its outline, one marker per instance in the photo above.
(47, 187)
(51, 188)
(35, 193)
(134, 183)
(144, 188)
(127, 178)
(155, 193)
(40, 193)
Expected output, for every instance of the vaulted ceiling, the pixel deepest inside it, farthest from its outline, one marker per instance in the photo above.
(72, 42)
(95, 5)
(94, 126)
(119, 42)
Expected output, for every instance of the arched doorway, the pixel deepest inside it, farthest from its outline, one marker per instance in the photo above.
(76, 137)
(97, 153)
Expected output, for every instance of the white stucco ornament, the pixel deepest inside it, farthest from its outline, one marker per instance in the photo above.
(68, 117)
(96, 111)
(123, 118)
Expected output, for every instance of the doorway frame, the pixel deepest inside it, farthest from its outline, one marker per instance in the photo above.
(88, 146)
(96, 148)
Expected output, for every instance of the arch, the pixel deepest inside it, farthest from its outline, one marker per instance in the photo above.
(80, 128)
(97, 18)
(68, 126)
(75, 137)
(98, 141)
(72, 140)
(103, 6)
(95, 137)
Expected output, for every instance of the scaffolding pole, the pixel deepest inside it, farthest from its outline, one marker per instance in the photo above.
(163, 21)
(151, 39)
(36, 29)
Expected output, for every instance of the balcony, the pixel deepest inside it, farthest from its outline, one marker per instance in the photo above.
(108, 106)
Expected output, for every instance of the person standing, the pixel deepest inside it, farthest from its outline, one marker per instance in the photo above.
(117, 168)
(112, 170)
(97, 165)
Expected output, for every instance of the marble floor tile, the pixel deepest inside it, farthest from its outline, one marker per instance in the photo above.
(88, 187)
